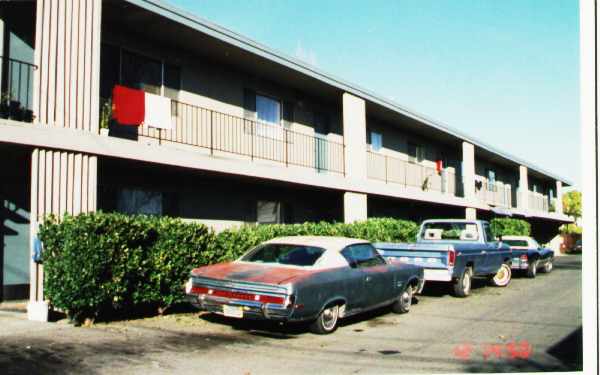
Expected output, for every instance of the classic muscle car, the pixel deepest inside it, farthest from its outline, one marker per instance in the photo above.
(305, 279)
(454, 250)
(528, 255)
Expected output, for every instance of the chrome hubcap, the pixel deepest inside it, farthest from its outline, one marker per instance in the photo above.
(466, 283)
(406, 299)
(502, 276)
(330, 316)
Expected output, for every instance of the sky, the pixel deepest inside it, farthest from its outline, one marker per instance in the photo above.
(505, 72)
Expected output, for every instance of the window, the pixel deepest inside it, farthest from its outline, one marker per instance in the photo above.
(172, 81)
(268, 110)
(518, 243)
(488, 233)
(295, 255)
(362, 255)
(416, 153)
(140, 72)
(269, 212)
(450, 231)
(135, 201)
(376, 141)
(491, 176)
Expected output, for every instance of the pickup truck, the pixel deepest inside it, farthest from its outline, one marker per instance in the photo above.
(455, 251)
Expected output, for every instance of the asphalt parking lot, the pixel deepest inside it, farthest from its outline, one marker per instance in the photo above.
(532, 325)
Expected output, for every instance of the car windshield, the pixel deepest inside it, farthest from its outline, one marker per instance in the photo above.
(521, 243)
(450, 231)
(295, 255)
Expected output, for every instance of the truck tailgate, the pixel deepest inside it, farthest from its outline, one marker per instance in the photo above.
(424, 255)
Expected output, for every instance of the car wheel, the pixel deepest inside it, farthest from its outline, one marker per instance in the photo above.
(548, 266)
(532, 268)
(462, 286)
(327, 321)
(404, 301)
(502, 277)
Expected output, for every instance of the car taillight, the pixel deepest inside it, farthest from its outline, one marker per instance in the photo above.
(524, 258)
(451, 257)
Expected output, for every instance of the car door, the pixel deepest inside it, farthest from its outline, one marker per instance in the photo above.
(493, 252)
(378, 281)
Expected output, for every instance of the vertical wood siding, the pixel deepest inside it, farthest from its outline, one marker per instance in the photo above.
(61, 182)
(67, 53)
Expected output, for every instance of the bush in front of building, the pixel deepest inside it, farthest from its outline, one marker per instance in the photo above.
(99, 264)
(510, 227)
(231, 244)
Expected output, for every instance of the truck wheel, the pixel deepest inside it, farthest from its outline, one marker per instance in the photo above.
(548, 266)
(462, 286)
(532, 268)
(502, 277)
(327, 321)
(404, 301)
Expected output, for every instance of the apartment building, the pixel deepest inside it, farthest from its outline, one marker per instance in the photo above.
(255, 136)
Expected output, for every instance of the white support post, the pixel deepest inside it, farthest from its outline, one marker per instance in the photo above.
(355, 207)
(468, 171)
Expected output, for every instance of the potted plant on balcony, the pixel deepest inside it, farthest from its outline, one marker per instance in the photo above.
(16, 110)
(4, 106)
(105, 116)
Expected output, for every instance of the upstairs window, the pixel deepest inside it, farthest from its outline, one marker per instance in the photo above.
(376, 141)
(140, 72)
(416, 153)
(491, 176)
(268, 110)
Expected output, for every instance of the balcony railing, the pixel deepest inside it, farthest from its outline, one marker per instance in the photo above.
(539, 202)
(397, 171)
(220, 133)
(495, 193)
(16, 83)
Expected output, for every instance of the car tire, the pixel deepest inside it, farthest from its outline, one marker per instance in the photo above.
(503, 276)
(462, 285)
(327, 321)
(404, 301)
(548, 267)
(532, 268)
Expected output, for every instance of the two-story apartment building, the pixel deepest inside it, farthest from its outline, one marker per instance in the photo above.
(255, 136)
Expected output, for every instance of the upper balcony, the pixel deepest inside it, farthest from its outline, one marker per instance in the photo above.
(16, 89)
(408, 174)
(495, 193)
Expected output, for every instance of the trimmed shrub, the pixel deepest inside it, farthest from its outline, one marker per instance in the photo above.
(510, 227)
(100, 263)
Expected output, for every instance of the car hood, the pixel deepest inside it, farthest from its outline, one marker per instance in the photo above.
(258, 273)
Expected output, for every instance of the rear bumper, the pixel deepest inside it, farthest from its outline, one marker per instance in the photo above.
(251, 309)
(437, 274)
(517, 264)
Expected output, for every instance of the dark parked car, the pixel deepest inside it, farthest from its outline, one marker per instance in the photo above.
(528, 255)
(305, 279)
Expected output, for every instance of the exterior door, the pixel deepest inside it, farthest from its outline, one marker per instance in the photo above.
(321, 144)
(14, 229)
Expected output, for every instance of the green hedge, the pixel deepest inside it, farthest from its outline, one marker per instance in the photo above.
(101, 263)
(510, 227)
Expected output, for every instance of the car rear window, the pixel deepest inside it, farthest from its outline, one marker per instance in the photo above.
(521, 243)
(294, 255)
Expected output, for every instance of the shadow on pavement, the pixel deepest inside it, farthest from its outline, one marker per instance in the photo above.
(45, 355)
(569, 350)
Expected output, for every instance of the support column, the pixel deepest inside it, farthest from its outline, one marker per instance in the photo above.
(355, 207)
(471, 213)
(66, 83)
(468, 171)
(355, 137)
(523, 197)
(558, 205)
(61, 182)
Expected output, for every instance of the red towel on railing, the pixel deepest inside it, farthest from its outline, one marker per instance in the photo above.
(128, 106)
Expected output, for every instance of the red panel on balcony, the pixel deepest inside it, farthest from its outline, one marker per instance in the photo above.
(128, 106)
